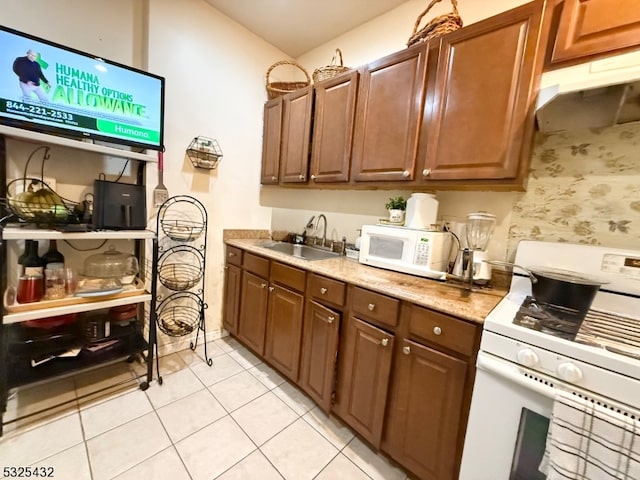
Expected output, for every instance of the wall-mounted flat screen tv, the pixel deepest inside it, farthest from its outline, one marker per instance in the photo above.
(55, 89)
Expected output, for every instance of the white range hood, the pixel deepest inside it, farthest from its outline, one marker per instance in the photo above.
(597, 94)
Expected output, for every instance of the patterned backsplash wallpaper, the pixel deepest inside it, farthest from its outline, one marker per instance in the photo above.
(584, 187)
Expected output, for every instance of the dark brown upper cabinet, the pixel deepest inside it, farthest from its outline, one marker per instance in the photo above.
(479, 126)
(588, 29)
(335, 105)
(388, 115)
(271, 139)
(296, 135)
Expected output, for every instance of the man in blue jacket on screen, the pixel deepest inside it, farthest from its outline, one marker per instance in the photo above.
(29, 74)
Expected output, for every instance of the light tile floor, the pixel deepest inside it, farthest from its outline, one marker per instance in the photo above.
(235, 420)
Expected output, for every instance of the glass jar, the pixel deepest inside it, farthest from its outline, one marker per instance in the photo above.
(30, 288)
(54, 283)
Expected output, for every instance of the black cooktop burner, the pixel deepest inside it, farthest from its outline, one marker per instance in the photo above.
(552, 319)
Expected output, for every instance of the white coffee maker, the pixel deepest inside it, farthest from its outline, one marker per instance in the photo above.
(474, 238)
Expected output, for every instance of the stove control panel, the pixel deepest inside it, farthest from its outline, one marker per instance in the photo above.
(621, 264)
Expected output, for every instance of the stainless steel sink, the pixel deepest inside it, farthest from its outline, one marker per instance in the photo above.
(300, 251)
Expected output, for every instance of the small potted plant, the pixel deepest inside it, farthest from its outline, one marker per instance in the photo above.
(396, 207)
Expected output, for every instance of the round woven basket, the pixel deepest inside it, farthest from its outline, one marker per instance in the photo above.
(436, 27)
(330, 71)
(276, 89)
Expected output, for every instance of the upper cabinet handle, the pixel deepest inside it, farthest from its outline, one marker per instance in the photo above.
(406, 173)
(301, 177)
(426, 172)
(273, 178)
(313, 177)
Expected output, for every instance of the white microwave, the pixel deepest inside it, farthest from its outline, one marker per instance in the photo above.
(407, 250)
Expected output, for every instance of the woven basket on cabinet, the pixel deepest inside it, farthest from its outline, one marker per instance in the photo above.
(436, 27)
(276, 89)
(331, 70)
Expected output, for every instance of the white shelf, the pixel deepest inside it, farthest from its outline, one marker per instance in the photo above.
(77, 308)
(37, 137)
(19, 233)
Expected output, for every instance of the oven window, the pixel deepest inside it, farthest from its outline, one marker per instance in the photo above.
(532, 437)
(385, 247)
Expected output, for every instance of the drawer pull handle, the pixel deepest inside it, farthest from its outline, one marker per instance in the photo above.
(323, 290)
(437, 330)
(331, 319)
(426, 172)
(384, 342)
(263, 285)
(371, 307)
(271, 289)
(232, 254)
(406, 350)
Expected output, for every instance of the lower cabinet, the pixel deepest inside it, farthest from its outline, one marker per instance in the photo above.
(365, 363)
(253, 311)
(424, 414)
(231, 296)
(400, 375)
(320, 349)
(284, 330)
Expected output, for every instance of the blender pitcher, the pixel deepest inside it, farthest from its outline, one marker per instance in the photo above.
(479, 228)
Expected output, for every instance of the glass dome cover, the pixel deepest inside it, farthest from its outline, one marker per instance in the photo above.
(110, 264)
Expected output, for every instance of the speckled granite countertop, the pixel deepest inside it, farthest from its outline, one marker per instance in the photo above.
(432, 294)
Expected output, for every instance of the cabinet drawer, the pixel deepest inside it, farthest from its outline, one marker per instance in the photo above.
(374, 306)
(443, 330)
(288, 276)
(326, 289)
(255, 264)
(234, 256)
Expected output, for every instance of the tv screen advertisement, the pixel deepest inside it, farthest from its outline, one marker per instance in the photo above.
(54, 89)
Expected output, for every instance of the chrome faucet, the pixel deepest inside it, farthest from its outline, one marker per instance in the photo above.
(324, 230)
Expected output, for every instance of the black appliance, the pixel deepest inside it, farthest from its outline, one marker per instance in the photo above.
(119, 206)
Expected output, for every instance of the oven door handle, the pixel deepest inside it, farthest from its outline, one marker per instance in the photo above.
(514, 374)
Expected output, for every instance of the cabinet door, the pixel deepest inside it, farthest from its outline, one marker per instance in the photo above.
(271, 136)
(319, 350)
(364, 376)
(594, 27)
(253, 311)
(483, 118)
(333, 128)
(296, 135)
(388, 116)
(284, 330)
(423, 423)
(232, 281)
